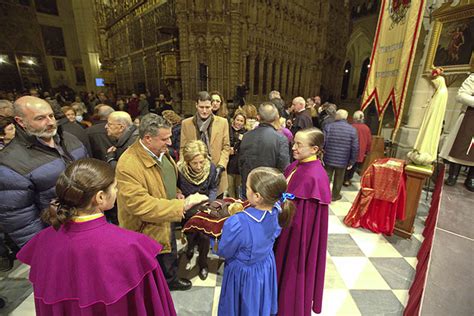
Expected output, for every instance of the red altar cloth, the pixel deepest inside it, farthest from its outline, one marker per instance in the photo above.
(381, 199)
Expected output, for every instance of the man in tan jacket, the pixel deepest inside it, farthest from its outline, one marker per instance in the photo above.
(213, 131)
(148, 199)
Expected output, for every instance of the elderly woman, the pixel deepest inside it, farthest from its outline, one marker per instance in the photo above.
(236, 133)
(70, 113)
(175, 120)
(197, 174)
(219, 106)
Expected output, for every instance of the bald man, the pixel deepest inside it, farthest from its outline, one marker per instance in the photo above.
(301, 116)
(121, 129)
(30, 166)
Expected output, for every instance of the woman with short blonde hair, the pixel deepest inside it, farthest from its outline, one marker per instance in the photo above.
(197, 174)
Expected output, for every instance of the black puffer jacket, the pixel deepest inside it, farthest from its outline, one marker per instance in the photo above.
(28, 174)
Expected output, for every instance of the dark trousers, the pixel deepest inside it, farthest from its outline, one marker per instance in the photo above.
(338, 179)
(169, 261)
(203, 243)
(350, 173)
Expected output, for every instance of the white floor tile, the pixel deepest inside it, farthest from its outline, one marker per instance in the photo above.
(375, 246)
(27, 308)
(340, 208)
(413, 261)
(338, 302)
(215, 305)
(336, 226)
(359, 273)
(402, 296)
(22, 272)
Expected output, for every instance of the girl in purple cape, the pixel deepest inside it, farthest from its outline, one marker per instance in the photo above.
(84, 266)
(300, 250)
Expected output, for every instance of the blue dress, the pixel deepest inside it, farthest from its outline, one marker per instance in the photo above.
(249, 286)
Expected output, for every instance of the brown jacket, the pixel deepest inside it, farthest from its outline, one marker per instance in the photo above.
(141, 199)
(219, 143)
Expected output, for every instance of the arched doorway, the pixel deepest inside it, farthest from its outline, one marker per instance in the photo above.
(345, 80)
(364, 70)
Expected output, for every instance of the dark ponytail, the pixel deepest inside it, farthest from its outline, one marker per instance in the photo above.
(76, 188)
(271, 185)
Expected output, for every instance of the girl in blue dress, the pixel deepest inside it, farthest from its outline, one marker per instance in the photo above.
(249, 286)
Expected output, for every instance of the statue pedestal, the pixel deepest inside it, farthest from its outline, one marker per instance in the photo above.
(416, 177)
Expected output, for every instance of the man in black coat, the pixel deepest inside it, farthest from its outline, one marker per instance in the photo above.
(263, 146)
(97, 134)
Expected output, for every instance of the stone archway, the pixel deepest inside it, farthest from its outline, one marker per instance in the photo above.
(358, 50)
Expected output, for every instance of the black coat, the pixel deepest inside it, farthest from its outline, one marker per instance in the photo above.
(77, 130)
(263, 147)
(235, 138)
(99, 140)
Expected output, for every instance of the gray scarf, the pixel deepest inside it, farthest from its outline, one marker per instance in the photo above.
(203, 127)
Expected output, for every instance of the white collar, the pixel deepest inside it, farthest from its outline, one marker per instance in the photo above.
(151, 153)
(256, 219)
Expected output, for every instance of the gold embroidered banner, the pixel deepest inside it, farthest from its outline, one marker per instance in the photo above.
(393, 51)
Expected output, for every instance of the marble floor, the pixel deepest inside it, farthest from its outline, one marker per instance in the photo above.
(367, 274)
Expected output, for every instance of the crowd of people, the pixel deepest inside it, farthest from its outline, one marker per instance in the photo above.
(92, 191)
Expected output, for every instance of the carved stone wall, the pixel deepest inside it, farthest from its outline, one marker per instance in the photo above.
(291, 46)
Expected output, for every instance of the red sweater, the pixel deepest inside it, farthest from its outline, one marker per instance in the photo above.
(365, 140)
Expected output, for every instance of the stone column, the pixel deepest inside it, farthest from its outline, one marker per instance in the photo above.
(252, 75)
(260, 73)
(277, 75)
(284, 64)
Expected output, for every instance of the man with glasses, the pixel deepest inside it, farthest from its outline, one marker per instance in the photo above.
(263, 146)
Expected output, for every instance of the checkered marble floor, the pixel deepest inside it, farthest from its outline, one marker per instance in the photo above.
(366, 274)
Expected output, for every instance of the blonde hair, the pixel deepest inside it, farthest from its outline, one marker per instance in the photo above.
(172, 117)
(250, 111)
(194, 148)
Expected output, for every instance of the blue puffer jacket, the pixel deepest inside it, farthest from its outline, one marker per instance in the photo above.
(28, 174)
(341, 145)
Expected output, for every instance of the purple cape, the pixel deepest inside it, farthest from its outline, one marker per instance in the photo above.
(96, 268)
(301, 249)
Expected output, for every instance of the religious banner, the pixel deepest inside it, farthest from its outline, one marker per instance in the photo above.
(393, 51)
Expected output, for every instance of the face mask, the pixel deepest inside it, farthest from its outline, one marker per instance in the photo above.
(79, 118)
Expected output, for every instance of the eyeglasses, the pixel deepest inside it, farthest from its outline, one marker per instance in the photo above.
(110, 124)
(299, 145)
(218, 101)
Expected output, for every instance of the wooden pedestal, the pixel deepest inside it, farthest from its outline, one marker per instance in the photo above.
(416, 177)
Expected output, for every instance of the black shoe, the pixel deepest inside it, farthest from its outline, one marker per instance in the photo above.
(469, 184)
(450, 181)
(203, 273)
(6, 263)
(337, 198)
(180, 285)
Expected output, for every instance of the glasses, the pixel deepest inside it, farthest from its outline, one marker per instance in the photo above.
(218, 101)
(300, 145)
(110, 124)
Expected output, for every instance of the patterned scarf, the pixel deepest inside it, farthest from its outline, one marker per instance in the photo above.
(194, 177)
(203, 127)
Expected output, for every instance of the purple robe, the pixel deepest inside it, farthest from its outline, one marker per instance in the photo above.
(96, 268)
(301, 249)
